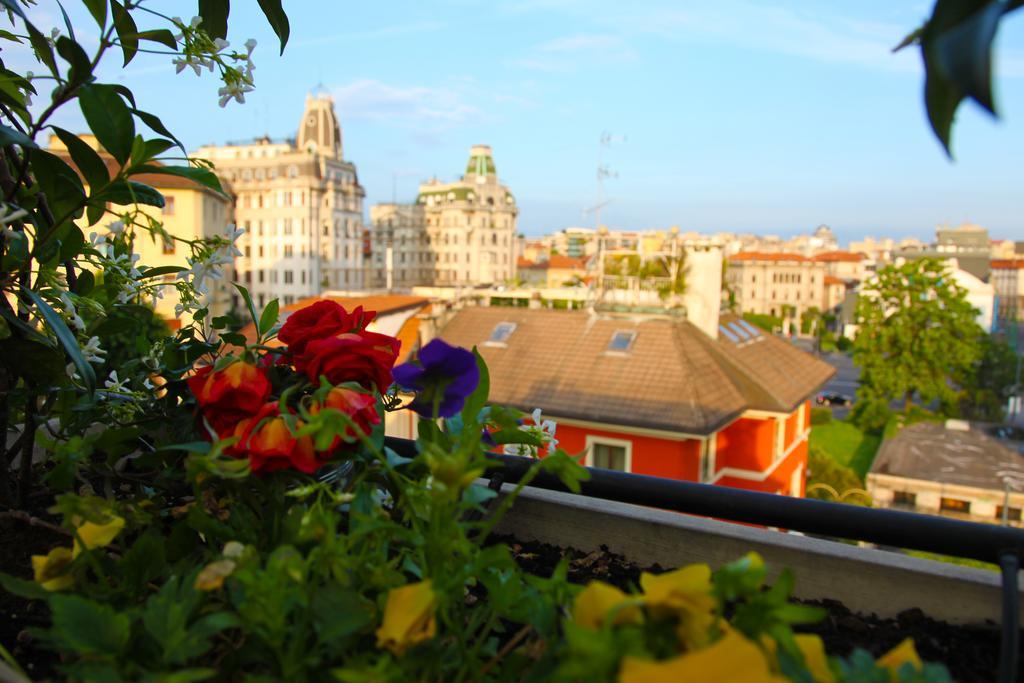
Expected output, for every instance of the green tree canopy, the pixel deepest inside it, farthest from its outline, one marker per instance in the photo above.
(917, 334)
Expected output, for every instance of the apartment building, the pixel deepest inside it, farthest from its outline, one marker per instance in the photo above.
(301, 206)
(401, 256)
(777, 283)
(1008, 280)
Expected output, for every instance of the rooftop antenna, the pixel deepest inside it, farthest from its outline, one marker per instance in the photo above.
(603, 172)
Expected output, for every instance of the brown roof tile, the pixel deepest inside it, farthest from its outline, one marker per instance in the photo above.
(673, 377)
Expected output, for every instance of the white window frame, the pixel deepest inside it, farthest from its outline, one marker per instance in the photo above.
(593, 439)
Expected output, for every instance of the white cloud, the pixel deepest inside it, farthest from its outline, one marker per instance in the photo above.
(571, 53)
(371, 100)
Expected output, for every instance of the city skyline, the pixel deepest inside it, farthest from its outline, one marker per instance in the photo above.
(743, 116)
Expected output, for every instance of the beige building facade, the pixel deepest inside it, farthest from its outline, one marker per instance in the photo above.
(471, 224)
(1008, 280)
(456, 234)
(301, 206)
(772, 284)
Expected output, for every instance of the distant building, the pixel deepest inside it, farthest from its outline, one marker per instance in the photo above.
(1008, 280)
(471, 224)
(301, 205)
(655, 395)
(961, 473)
(777, 284)
(848, 266)
(191, 211)
(401, 256)
(556, 271)
(968, 244)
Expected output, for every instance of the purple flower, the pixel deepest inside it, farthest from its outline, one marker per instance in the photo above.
(442, 379)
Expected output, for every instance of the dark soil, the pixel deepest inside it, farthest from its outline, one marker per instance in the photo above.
(18, 542)
(971, 653)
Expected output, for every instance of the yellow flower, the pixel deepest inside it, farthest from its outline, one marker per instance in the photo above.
(212, 576)
(596, 600)
(895, 658)
(733, 659)
(51, 569)
(687, 593)
(815, 658)
(97, 535)
(408, 617)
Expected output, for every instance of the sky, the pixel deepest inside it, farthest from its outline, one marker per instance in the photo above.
(755, 116)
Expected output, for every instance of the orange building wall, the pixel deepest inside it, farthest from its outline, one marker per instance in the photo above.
(792, 428)
(781, 477)
(807, 415)
(651, 455)
(747, 444)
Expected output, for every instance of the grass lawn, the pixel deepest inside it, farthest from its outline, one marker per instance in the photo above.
(847, 445)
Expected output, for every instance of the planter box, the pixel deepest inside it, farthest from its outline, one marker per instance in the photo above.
(864, 579)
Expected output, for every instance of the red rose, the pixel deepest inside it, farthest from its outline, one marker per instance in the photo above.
(362, 408)
(321, 320)
(363, 357)
(227, 396)
(270, 446)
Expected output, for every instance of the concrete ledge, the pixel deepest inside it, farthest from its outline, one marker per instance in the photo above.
(865, 580)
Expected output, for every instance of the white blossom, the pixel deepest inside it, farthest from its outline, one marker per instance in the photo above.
(112, 383)
(92, 351)
(235, 90)
(71, 311)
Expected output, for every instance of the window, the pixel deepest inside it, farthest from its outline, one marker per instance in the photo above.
(622, 340)
(1012, 514)
(954, 505)
(288, 277)
(261, 276)
(608, 454)
(904, 498)
(168, 206)
(287, 251)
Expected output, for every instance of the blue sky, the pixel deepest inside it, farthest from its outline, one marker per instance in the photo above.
(744, 115)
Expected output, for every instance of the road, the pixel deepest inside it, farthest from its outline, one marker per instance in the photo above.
(845, 381)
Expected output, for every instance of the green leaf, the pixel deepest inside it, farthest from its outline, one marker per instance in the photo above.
(129, 192)
(66, 339)
(109, 118)
(248, 302)
(145, 560)
(126, 31)
(67, 21)
(59, 182)
(215, 17)
(157, 126)
(339, 612)
(85, 283)
(73, 54)
(161, 270)
(13, 6)
(964, 53)
(71, 243)
(87, 627)
(10, 136)
(42, 48)
(200, 175)
(86, 159)
(160, 35)
(277, 18)
(269, 318)
(98, 10)
(29, 590)
(157, 146)
(478, 399)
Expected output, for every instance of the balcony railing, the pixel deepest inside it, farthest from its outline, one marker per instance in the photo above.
(999, 545)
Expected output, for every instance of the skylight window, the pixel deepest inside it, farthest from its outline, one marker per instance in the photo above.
(739, 331)
(754, 332)
(501, 333)
(727, 334)
(621, 340)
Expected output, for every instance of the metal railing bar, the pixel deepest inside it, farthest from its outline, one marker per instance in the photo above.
(1009, 646)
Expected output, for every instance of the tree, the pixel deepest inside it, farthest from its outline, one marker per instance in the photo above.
(917, 334)
(989, 383)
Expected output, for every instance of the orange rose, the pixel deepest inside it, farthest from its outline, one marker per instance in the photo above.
(228, 396)
(271, 446)
(362, 408)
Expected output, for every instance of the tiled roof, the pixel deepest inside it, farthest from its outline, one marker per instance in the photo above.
(833, 280)
(1008, 264)
(673, 377)
(767, 256)
(834, 256)
(555, 261)
(930, 452)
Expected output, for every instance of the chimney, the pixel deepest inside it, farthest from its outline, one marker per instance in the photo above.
(703, 297)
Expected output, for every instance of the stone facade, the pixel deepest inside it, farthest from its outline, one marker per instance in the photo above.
(301, 206)
(460, 233)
